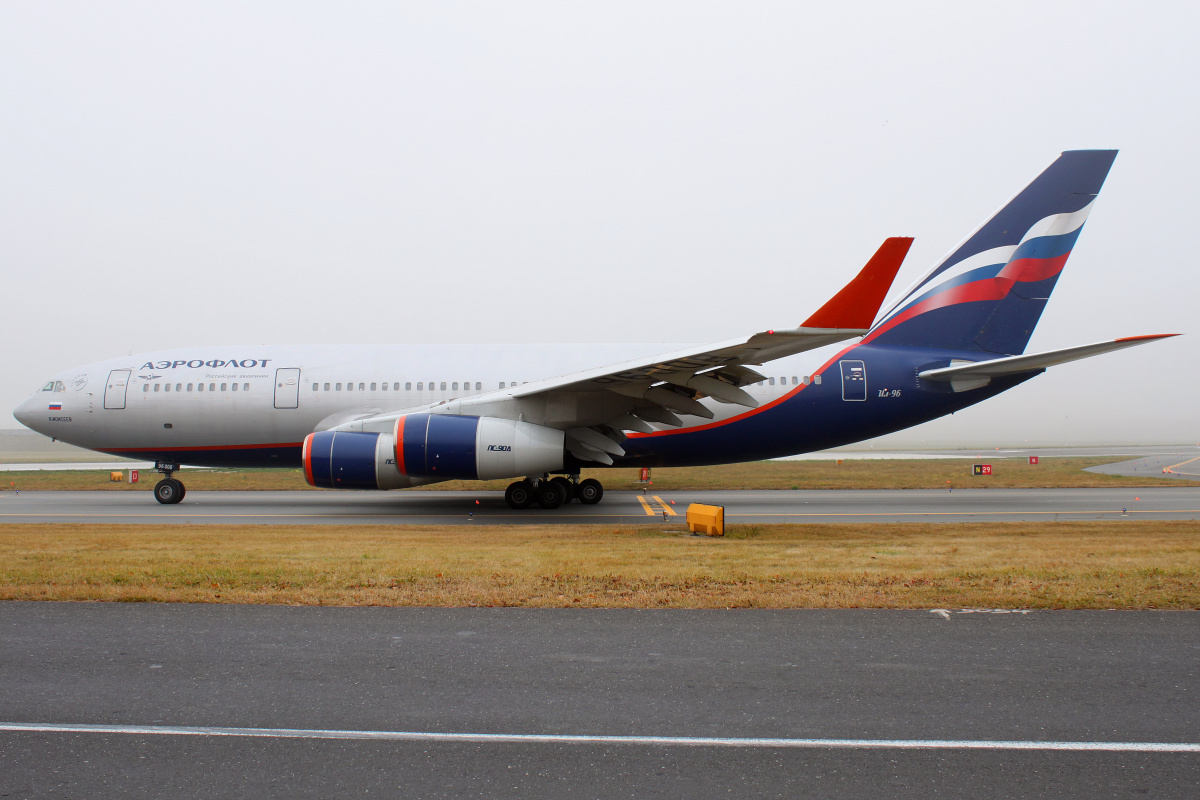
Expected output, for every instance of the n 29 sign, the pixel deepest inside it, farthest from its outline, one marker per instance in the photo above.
(981, 469)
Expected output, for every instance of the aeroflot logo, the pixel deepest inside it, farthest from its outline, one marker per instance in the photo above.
(500, 448)
(197, 363)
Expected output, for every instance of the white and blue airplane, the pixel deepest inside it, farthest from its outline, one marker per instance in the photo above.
(396, 416)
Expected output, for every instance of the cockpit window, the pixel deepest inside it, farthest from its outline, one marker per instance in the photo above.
(49, 387)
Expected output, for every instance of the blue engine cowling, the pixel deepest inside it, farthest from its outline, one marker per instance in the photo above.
(350, 460)
(426, 448)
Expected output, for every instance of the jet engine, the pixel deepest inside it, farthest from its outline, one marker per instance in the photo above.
(426, 448)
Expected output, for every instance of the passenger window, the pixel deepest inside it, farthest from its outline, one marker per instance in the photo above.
(817, 380)
(396, 386)
(167, 388)
(327, 387)
(771, 381)
(199, 387)
(408, 386)
(224, 387)
(156, 387)
(420, 386)
(795, 381)
(383, 386)
(316, 386)
(190, 387)
(349, 387)
(501, 384)
(179, 387)
(372, 386)
(145, 387)
(245, 387)
(234, 387)
(454, 386)
(478, 386)
(443, 386)
(362, 387)
(339, 387)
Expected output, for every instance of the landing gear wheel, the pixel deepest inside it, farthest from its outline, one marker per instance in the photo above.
(589, 491)
(567, 487)
(168, 491)
(550, 494)
(518, 495)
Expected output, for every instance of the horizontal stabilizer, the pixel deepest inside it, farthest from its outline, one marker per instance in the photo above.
(1012, 365)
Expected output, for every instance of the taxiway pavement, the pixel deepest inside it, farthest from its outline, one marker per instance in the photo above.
(1007, 704)
(484, 508)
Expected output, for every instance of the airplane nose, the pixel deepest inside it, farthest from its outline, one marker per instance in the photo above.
(24, 413)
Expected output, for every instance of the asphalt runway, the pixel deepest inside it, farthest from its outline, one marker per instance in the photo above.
(263, 701)
(484, 508)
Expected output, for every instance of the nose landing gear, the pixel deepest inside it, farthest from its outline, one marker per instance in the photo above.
(168, 491)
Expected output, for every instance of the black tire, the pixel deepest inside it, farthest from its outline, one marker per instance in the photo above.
(182, 490)
(518, 495)
(168, 491)
(550, 495)
(568, 488)
(589, 492)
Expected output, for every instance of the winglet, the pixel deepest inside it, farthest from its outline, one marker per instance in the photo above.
(856, 305)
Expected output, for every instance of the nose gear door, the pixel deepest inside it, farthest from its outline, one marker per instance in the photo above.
(114, 390)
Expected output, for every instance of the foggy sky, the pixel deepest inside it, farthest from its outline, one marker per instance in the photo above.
(180, 174)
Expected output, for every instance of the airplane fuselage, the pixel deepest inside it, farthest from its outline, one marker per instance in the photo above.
(252, 406)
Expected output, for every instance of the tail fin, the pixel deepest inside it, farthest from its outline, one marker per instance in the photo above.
(989, 293)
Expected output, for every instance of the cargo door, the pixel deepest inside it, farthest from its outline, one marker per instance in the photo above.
(287, 388)
(854, 380)
(114, 390)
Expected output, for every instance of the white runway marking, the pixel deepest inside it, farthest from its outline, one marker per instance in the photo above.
(668, 741)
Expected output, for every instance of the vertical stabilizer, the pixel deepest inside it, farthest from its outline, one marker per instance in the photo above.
(990, 292)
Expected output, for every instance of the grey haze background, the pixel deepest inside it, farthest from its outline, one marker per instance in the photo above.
(213, 173)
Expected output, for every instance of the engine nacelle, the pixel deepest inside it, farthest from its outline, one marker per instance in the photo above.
(350, 460)
(448, 447)
(426, 448)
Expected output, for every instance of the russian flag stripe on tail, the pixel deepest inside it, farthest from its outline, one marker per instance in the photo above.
(989, 293)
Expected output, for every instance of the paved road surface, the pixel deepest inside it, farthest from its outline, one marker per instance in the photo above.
(444, 676)
(452, 508)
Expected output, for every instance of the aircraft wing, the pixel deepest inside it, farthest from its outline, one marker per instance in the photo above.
(595, 406)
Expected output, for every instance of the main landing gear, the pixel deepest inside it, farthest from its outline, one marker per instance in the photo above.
(550, 492)
(168, 491)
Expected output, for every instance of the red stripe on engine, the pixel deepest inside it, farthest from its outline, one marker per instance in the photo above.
(399, 437)
(306, 457)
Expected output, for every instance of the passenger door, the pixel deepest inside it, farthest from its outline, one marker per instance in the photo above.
(854, 380)
(287, 388)
(114, 390)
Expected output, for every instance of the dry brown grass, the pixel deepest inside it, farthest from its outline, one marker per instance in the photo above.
(856, 474)
(1117, 564)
